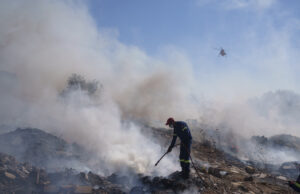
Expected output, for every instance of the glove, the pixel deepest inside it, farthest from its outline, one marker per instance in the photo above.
(169, 149)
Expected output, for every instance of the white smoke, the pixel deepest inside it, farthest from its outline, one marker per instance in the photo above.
(42, 43)
(271, 113)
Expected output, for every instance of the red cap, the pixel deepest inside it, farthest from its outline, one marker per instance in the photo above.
(170, 121)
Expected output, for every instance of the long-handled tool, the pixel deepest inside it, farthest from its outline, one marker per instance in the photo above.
(205, 184)
(161, 158)
(164, 156)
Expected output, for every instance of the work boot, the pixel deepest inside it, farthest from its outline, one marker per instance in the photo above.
(182, 171)
(185, 174)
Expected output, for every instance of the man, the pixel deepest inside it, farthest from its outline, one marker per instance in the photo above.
(182, 130)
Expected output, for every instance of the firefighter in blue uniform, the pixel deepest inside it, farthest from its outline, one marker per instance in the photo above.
(182, 130)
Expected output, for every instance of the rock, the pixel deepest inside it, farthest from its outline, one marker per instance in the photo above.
(23, 168)
(236, 184)
(215, 172)
(282, 178)
(250, 170)
(21, 174)
(236, 170)
(262, 175)
(9, 175)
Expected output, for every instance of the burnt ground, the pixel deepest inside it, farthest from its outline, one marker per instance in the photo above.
(217, 171)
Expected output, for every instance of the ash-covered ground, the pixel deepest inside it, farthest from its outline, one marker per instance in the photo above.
(33, 161)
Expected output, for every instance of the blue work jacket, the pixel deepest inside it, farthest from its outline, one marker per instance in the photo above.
(181, 130)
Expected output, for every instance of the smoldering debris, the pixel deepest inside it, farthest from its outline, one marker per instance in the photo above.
(21, 177)
(18, 177)
(218, 171)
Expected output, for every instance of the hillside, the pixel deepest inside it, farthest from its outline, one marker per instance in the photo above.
(217, 171)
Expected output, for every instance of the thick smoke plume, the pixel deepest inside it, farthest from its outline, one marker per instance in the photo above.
(44, 43)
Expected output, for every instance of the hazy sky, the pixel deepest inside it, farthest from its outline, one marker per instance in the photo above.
(261, 37)
(190, 24)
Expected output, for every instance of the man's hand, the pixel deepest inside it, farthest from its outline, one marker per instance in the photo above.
(169, 149)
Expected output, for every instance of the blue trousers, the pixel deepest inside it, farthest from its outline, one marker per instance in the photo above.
(184, 156)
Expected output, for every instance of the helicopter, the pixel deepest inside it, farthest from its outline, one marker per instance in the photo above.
(221, 52)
